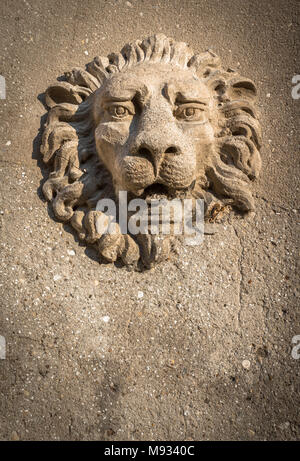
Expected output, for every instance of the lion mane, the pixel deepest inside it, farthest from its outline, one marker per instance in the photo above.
(78, 179)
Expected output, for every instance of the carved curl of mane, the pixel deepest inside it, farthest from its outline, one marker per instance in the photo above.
(78, 179)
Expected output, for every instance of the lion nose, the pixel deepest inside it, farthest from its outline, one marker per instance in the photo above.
(156, 154)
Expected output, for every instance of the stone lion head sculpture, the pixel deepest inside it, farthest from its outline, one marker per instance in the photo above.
(154, 118)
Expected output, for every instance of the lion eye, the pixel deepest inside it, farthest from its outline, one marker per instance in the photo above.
(119, 111)
(190, 113)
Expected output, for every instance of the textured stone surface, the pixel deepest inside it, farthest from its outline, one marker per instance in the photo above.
(97, 352)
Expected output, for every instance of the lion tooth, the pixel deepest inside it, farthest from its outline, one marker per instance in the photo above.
(139, 192)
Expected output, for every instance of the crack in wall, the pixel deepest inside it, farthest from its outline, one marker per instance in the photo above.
(240, 265)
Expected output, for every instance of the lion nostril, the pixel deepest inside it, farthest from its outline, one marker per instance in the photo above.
(144, 151)
(171, 150)
(154, 154)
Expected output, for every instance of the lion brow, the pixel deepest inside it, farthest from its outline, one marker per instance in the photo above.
(185, 98)
(176, 95)
(128, 94)
(109, 97)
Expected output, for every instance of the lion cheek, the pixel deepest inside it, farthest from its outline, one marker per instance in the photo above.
(110, 139)
(203, 143)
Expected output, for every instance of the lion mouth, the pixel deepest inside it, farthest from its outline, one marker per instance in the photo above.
(158, 191)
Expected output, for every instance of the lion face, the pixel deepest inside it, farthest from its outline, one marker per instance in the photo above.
(152, 119)
(153, 126)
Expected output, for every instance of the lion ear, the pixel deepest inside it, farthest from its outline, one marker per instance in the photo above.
(82, 78)
(205, 63)
(61, 92)
(242, 88)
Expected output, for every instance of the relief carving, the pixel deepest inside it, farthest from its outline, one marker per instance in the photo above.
(154, 120)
